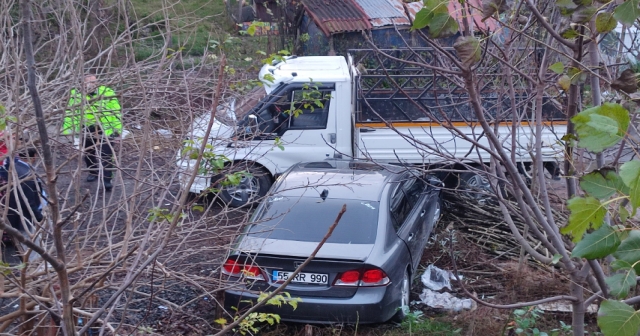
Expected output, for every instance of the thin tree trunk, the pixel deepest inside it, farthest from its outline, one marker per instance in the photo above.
(572, 110)
(67, 309)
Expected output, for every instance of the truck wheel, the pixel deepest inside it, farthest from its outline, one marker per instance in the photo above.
(251, 188)
(475, 187)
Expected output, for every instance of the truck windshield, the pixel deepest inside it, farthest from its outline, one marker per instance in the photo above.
(250, 101)
(308, 219)
(288, 108)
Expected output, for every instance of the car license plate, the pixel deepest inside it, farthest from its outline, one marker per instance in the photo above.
(311, 278)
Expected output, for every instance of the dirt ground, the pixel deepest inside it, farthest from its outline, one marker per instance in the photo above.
(183, 302)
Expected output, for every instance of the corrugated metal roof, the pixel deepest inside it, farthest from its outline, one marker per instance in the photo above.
(455, 9)
(337, 16)
(384, 12)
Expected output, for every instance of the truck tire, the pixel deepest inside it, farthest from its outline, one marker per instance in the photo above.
(476, 187)
(250, 189)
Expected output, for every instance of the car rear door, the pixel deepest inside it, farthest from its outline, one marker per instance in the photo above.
(407, 212)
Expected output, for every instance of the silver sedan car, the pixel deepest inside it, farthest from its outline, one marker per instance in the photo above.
(363, 273)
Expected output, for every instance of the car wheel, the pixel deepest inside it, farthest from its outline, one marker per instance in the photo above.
(475, 186)
(251, 187)
(405, 294)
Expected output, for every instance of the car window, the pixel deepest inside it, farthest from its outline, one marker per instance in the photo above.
(404, 199)
(413, 191)
(309, 218)
(310, 109)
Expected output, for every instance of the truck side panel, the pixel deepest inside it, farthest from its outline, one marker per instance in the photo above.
(432, 143)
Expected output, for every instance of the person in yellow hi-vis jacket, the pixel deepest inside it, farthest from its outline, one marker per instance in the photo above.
(98, 120)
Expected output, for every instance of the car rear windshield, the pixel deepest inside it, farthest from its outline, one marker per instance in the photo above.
(309, 218)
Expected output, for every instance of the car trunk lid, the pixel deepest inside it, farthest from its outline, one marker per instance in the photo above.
(280, 258)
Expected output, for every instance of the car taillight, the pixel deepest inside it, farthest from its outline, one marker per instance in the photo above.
(348, 278)
(231, 267)
(374, 277)
(365, 278)
(252, 271)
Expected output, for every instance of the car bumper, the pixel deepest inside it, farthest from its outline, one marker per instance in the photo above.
(368, 305)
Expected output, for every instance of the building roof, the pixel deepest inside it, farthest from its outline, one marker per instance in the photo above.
(384, 12)
(337, 16)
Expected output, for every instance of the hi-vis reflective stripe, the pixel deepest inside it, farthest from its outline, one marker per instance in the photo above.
(454, 124)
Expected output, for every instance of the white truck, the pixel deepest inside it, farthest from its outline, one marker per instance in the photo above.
(364, 106)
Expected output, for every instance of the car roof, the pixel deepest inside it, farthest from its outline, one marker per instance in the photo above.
(342, 179)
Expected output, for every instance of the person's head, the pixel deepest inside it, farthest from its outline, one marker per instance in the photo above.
(28, 154)
(90, 83)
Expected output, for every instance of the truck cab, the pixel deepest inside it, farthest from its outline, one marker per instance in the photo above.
(305, 115)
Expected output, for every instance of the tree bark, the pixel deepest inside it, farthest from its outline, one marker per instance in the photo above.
(67, 310)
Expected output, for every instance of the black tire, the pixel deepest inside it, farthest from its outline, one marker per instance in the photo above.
(250, 189)
(405, 292)
(475, 187)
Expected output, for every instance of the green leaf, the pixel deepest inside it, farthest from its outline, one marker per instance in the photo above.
(603, 124)
(617, 318)
(597, 244)
(601, 127)
(583, 14)
(566, 7)
(629, 250)
(620, 283)
(556, 258)
(620, 265)
(623, 213)
(565, 82)
(605, 22)
(585, 213)
(557, 67)
(602, 183)
(630, 175)
(425, 16)
(251, 30)
(442, 25)
(627, 12)
(577, 76)
(437, 6)
(569, 33)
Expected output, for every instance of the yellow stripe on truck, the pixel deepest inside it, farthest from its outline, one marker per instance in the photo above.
(454, 124)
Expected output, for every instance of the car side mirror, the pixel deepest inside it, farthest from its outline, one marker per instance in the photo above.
(253, 124)
(435, 182)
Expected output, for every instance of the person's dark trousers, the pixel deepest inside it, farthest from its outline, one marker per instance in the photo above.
(98, 151)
